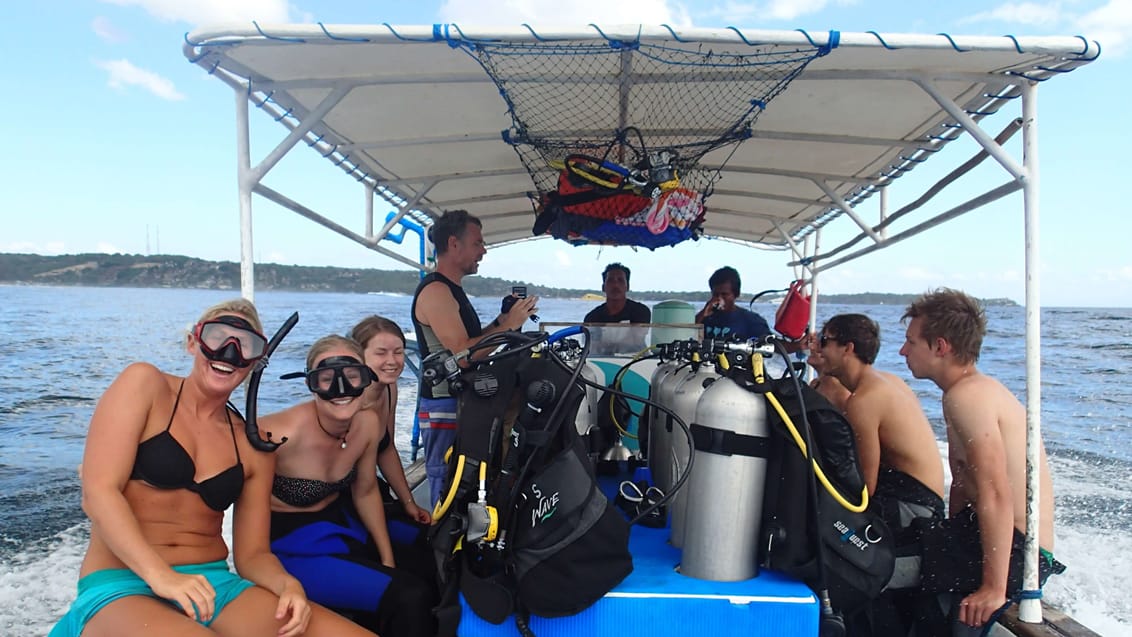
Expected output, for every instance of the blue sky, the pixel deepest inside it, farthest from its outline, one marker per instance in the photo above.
(117, 144)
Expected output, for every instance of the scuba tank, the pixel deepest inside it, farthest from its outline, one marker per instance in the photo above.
(587, 411)
(687, 388)
(725, 494)
(660, 430)
(660, 427)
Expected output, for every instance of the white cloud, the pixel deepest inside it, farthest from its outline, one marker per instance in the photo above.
(19, 246)
(123, 73)
(1028, 13)
(791, 9)
(917, 274)
(30, 247)
(199, 12)
(1111, 25)
(785, 10)
(563, 258)
(1123, 273)
(577, 12)
(108, 248)
(106, 30)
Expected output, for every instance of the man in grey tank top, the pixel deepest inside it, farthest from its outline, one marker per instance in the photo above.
(444, 318)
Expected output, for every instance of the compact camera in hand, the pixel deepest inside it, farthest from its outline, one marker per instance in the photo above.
(517, 292)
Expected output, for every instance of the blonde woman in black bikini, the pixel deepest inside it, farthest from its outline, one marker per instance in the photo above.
(164, 460)
(328, 524)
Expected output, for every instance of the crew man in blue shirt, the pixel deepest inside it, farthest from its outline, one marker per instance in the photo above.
(721, 318)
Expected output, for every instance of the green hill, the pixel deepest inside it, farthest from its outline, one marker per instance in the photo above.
(172, 271)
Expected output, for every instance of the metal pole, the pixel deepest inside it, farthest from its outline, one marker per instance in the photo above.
(369, 210)
(243, 170)
(816, 245)
(1030, 610)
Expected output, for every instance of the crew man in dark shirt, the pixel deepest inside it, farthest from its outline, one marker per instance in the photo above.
(721, 318)
(617, 307)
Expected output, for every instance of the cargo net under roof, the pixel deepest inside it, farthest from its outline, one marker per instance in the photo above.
(612, 132)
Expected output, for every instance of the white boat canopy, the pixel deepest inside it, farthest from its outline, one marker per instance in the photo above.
(414, 114)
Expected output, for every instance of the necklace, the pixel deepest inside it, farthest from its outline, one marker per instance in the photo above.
(341, 438)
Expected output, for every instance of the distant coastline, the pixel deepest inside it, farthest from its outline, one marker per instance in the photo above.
(174, 271)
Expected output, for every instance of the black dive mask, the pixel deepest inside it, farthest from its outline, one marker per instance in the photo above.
(231, 340)
(337, 377)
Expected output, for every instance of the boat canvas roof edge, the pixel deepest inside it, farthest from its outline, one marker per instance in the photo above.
(829, 151)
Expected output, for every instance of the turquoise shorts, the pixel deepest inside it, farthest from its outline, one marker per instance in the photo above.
(102, 587)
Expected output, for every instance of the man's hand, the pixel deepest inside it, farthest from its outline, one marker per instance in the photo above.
(523, 309)
(713, 304)
(977, 608)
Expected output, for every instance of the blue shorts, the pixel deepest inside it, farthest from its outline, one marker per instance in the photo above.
(99, 588)
(438, 431)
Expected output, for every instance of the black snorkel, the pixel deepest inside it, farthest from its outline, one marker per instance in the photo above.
(250, 426)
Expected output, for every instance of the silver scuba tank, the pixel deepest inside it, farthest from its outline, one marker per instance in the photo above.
(587, 410)
(686, 391)
(725, 494)
(660, 434)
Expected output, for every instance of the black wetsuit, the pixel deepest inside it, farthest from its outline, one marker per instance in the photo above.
(899, 499)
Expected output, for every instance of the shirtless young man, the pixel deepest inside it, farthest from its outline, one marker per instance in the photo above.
(898, 452)
(827, 385)
(986, 441)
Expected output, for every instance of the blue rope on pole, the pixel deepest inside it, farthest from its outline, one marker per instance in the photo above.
(275, 37)
(953, 44)
(673, 33)
(881, 40)
(338, 37)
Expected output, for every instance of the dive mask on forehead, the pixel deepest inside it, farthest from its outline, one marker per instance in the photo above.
(231, 340)
(337, 377)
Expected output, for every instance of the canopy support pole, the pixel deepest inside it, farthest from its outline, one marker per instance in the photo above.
(301, 210)
(971, 126)
(244, 184)
(402, 210)
(848, 210)
(369, 190)
(1030, 610)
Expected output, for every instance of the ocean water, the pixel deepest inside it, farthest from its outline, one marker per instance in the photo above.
(61, 347)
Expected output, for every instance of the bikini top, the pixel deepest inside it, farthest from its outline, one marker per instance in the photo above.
(304, 492)
(162, 462)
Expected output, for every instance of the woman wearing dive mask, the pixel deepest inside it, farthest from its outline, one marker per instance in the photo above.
(164, 460)
(328, 524)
